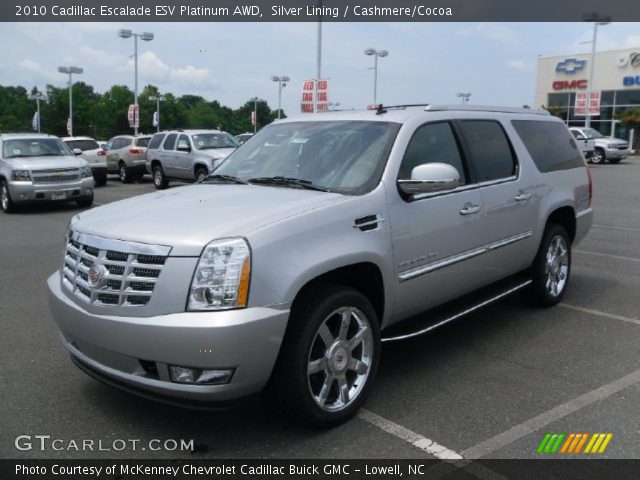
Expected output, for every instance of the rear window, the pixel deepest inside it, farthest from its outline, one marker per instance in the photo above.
(490, 149)
(82, 144)
(156, 140)
(549, 144)
(142, 141)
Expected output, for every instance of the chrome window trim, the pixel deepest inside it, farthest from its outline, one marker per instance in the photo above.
(460, 257)
(102, 243)
(464, 188)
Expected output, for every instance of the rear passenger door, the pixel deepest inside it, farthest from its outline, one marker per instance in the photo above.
(168, 155)
(505, 184)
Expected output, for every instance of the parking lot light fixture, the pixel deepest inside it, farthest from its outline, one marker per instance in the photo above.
(70, 70)
(375, 53)
(597, 20)
(464, 96)
(157, 99)
(147, 37)
(282, 82)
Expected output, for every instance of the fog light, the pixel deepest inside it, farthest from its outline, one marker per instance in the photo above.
(199, 376)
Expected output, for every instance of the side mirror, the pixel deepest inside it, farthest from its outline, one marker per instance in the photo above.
(430, 177)
(579, 136)
(77, 151)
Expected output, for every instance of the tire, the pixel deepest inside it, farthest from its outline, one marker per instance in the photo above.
(85, 201)
(598, 156)
(5, 198)
(159, 179)
(101, 181)
(201, 174)
(316, 338)
(551, 268)
(124, 173)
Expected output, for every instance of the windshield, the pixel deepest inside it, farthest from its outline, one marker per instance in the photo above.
(340, 156)
(82, 144)
(34, 147)
(592, 133)
(204, 141)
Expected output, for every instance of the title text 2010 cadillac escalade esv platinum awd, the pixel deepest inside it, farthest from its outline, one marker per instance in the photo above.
(284, 266)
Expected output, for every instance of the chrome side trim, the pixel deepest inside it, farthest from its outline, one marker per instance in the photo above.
(459, 314)
(102, 243)
(461, 257)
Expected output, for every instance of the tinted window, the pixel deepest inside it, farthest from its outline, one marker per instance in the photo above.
(549, 144)
(170, 142)
(434, 142)
(489, 148)
(183, 142)
(156, 140)
(82, 144)
(142, 141)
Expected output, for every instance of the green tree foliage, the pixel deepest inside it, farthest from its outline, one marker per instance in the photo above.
(103, 116)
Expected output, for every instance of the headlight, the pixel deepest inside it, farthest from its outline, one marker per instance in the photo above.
(21, 175)
(85, 172)
(221, 279)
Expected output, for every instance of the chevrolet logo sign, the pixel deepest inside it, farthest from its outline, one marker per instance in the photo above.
(570, 65)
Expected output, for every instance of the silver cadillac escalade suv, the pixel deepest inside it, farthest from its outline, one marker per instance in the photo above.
(315, 242)
(37, 167)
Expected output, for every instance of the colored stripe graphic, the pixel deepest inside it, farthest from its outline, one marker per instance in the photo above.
(572, 443)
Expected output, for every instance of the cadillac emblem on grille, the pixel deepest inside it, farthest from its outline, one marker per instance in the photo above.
(96, 274)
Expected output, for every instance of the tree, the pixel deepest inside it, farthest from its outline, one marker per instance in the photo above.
(631, 119)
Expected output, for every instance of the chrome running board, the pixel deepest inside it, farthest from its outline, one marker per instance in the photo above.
(456, 316)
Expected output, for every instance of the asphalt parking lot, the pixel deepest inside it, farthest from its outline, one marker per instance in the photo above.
(489, 386)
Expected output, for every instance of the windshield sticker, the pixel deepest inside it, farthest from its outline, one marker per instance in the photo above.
(299, 140)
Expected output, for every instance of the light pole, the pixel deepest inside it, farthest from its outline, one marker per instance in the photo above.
(157, 99)
(70, 70)
(597, 20)
(282, 82)
(37, 97)
(376, 54)
(147, 37)
(463, 96)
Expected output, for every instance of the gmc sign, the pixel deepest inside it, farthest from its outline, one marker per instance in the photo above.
(569, 84)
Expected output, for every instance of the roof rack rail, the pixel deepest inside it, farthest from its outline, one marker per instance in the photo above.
(486, 108)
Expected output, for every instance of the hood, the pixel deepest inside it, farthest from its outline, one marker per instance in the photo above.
(187, 218)
(617, 141)
(45, 163)
(217, 153)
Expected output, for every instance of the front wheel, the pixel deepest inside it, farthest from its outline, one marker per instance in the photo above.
(598, 156)
(329, 357)
(201, 174)
(551, 268)
(85, 201)
(5, 198)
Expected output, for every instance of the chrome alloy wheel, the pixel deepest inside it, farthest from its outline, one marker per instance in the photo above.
(340, 359)
(157, 177)
(122, 171)
(5, 197)
(557, 265)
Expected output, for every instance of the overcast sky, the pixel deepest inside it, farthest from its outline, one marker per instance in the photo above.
(232, 62)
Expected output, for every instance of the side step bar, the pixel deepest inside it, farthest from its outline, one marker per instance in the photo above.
(493, 296)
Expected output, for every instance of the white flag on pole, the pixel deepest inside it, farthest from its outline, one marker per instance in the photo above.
(35, 121)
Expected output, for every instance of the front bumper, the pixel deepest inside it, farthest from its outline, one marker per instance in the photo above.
(615, 153)
(111, 347)
(22, 192)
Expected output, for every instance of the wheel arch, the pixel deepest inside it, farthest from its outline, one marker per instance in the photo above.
(564, 216)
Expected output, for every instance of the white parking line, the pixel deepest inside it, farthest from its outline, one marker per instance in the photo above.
(590, 311)
(415, 439)
(616, 209)
(505, 438)
(611, 227)
(617, 257)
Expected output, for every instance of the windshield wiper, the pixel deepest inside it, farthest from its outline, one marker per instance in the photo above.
(212, 147)
(288, 181)
(224, 178)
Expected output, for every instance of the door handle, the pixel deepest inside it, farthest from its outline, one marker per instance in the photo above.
(470, 209)
(522, 197)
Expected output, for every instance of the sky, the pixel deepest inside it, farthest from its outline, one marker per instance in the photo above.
(233, 62)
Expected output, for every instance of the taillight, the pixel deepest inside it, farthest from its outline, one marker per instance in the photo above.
(101, 153)
(590, 185)
(135, 151)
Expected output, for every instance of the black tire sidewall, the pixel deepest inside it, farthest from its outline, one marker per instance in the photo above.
(538, 291)
(291, 369)
(10, 205)
(163, 180)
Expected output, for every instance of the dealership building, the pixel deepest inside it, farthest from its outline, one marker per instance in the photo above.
(560, 79)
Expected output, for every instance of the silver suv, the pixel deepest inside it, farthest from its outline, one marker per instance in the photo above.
(37, 167)
(187, 154)
(312, 244)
